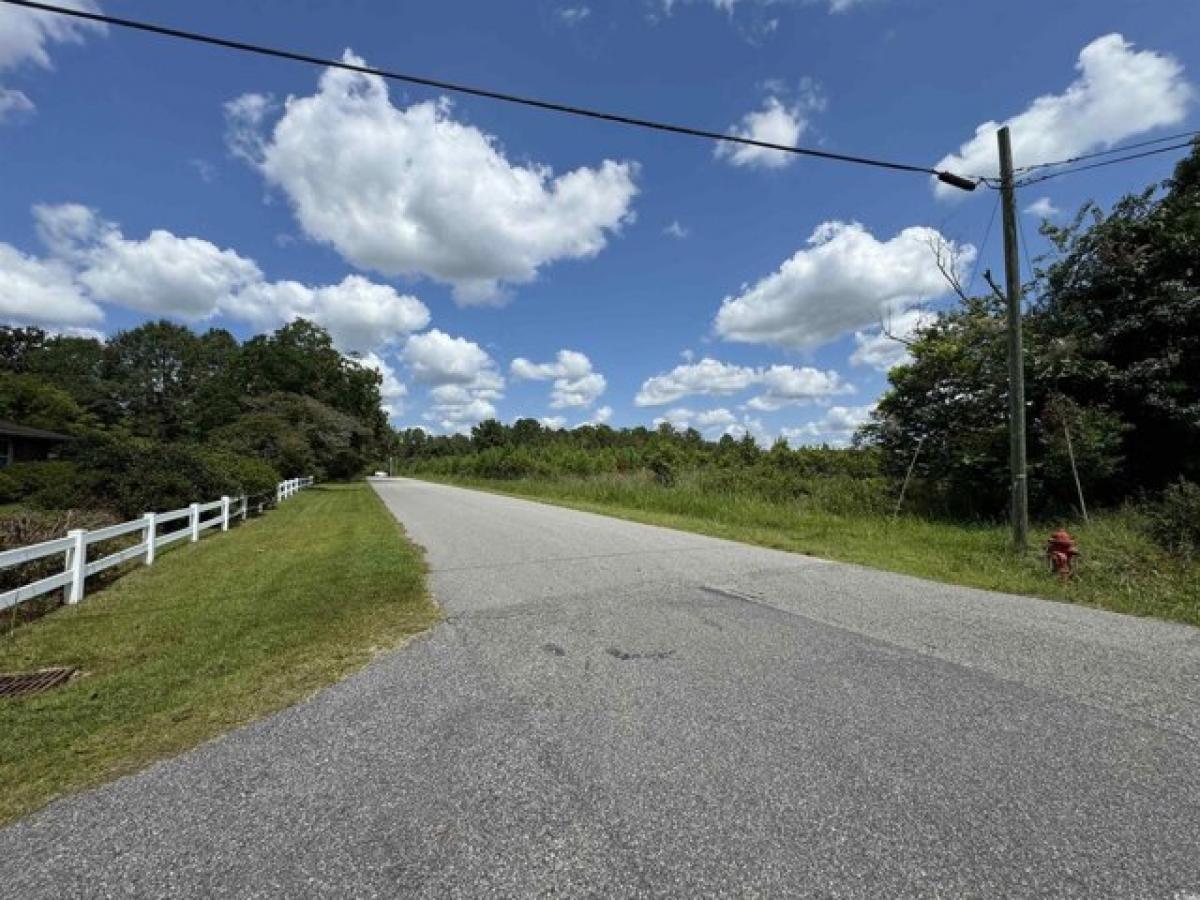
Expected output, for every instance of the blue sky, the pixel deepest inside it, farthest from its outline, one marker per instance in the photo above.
(499, 260)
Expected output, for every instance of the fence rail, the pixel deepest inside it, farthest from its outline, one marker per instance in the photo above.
(74, 547)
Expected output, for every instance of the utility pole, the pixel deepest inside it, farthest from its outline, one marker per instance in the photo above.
(1016, 358)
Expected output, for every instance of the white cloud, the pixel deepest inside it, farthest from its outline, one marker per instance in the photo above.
(676, 231)
(573, 15)
(707, 377)
(167, 275)
(26, 34)
(845, 279)
(576, 384)
(358, 313)
(411, 191)
(245, 117)
(884, 350)
(775, 123)
(836, 427)
(438, 358)
(25, 39)
(463, 378)
(193, 279)
(13, 102)
(1042, 208)
(1120, 92)
(553, 422)
(729, 6)
(783, 385)
(392, 389)
(710, 421)
(163, 274)
(601, 416)
(41, 292)
(792, 386)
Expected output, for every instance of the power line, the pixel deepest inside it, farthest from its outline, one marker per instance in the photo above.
(552, 106)
(1109, 152)
(1108, 162)
(983, 246)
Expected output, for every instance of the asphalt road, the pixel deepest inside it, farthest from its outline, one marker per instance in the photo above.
(617, 710)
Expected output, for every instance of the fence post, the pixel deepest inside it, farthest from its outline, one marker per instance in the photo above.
(76, 564)
(224, 513)
(151, 536)
(195, 522)
(279, 492)
(245, 507)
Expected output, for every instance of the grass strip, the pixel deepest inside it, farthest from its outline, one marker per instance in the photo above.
(1121, 569)
(212, 636)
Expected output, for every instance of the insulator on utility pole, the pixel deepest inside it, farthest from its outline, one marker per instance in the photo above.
(1016, 359)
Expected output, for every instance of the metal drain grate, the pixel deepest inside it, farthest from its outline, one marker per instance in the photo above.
(22, 684)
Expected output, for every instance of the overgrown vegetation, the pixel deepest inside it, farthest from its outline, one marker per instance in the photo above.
(1113, 382)
(213, 635)
(162, 416)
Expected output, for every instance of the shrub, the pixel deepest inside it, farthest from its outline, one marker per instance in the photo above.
(135, 476)
(53, 484)
(1174, 520)
(23, 529)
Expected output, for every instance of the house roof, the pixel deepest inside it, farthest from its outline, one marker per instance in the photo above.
(12, 429)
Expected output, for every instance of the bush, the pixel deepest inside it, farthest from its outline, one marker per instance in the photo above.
(1174, 521)
(23, 529)
(53, 484)
(133, 476)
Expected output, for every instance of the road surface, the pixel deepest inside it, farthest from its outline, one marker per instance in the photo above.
(617, 710)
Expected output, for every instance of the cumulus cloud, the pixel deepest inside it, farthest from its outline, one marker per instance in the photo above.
(463, 378)
(438, 358)
(836, 427)
(1042, 208)
(358, 313)
(781, 385)
(711, 421)
(885, 349)
(844, 279)
(553, 422)
(412, 191)
(775, 123)
(193, 279)
(392, 389)
(792, 386)
(573, 15)
(707, 377)
(41, 292)
(13, 103)
(25, 39)
(1120, 92)
(601, 416)
(576, 383)
(729, 6)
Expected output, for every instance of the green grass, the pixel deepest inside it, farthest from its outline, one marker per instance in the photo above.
(1121, 569)
(214, 635)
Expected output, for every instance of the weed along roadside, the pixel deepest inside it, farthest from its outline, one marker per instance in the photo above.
(211, 636)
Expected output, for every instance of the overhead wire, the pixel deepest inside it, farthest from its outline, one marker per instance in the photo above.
(1020, 170)
(1026, 182)
(983, 246)
(966, 183)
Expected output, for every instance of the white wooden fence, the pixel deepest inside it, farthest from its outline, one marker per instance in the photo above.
(74, 547)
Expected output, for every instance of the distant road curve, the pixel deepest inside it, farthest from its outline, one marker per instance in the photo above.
(612, 709)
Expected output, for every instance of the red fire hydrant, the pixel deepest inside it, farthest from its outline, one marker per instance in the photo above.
(1061, 554)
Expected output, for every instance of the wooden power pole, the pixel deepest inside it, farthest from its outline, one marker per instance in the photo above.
(1016, 359)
